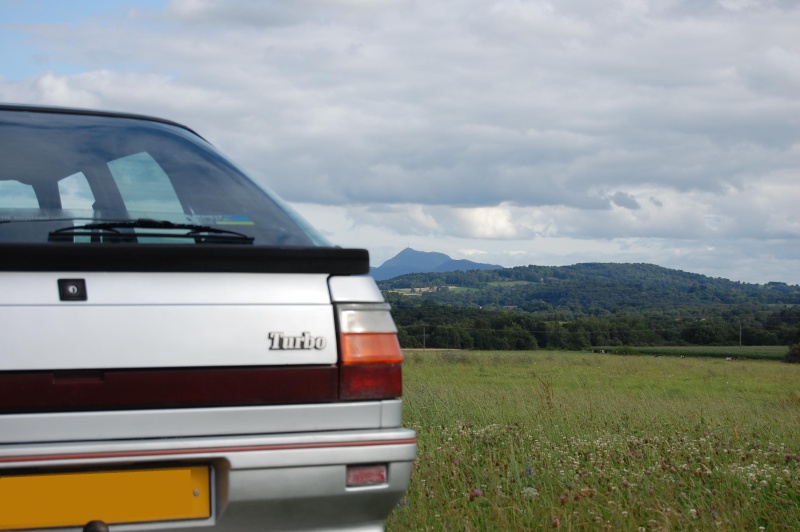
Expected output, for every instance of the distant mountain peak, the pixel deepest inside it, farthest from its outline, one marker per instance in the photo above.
(413, 261)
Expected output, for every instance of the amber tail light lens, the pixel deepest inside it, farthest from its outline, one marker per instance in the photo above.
(370, 348)
(370, 354)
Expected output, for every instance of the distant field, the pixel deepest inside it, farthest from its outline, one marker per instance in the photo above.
(531, 440)
(425, 289)
(458, 289)
(773, 352)
(507, 283)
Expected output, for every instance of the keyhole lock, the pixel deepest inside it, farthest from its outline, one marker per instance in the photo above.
(72, 289)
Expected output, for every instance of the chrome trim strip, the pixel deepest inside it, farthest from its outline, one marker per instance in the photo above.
(205, 451)
(245, 452)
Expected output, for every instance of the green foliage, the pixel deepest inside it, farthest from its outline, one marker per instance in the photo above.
(581, 441)
(793, 355)
(735, 352)
(594, 288)
(589, 305)
(451, 327)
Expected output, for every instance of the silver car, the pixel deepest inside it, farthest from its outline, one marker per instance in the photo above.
(178, 350)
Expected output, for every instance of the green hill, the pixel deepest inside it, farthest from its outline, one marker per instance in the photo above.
(591, 288)
(587, 305)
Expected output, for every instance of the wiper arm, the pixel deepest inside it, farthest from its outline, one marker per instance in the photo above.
(203, 234)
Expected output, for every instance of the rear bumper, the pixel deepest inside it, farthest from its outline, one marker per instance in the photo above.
(274, 482)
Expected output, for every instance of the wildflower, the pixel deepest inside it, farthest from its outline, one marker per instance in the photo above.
(530, 493)
(477, 493)
(556, 522)
(625, 483)
(693, 513)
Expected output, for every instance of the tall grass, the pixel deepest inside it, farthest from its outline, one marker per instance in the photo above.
(588, 441)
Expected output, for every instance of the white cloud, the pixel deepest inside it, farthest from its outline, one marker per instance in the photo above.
(471, 252)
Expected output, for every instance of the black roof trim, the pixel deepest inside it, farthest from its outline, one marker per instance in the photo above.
(181, 258)
(90, 112)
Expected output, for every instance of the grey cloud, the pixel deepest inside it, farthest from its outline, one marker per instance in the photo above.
(561, 109)
(627, 201)
(330, 100)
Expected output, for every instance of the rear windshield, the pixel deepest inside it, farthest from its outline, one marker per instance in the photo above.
(82, 178)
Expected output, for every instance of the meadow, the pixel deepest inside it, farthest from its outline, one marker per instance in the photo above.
(583, 441)
(767, 352)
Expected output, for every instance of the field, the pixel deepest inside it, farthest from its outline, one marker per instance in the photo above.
(769, 352)
(582, 441)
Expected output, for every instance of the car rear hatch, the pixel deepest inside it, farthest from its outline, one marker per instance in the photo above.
(101, 334)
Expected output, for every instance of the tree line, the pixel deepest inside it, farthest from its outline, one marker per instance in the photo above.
(588, 305)
(433, 325)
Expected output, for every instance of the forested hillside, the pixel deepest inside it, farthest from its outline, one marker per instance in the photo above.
(585, 305)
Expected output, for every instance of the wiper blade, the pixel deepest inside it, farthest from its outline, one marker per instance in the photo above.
(203, 234)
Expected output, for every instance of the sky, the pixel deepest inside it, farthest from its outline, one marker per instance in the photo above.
(508, 132)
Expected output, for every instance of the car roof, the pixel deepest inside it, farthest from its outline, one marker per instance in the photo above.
(90, 112)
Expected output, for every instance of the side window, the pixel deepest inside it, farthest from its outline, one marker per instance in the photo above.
(144, 186)
(75, 193)
(16, 195)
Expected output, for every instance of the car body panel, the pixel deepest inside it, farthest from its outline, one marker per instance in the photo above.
(147, 318)
(195, 422)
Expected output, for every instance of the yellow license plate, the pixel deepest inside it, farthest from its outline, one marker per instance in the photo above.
(74, 499)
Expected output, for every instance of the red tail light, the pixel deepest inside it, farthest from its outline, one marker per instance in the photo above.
(370, 354)
(366, 475)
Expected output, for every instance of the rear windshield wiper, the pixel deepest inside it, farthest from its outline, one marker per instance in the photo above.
(110, 231)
